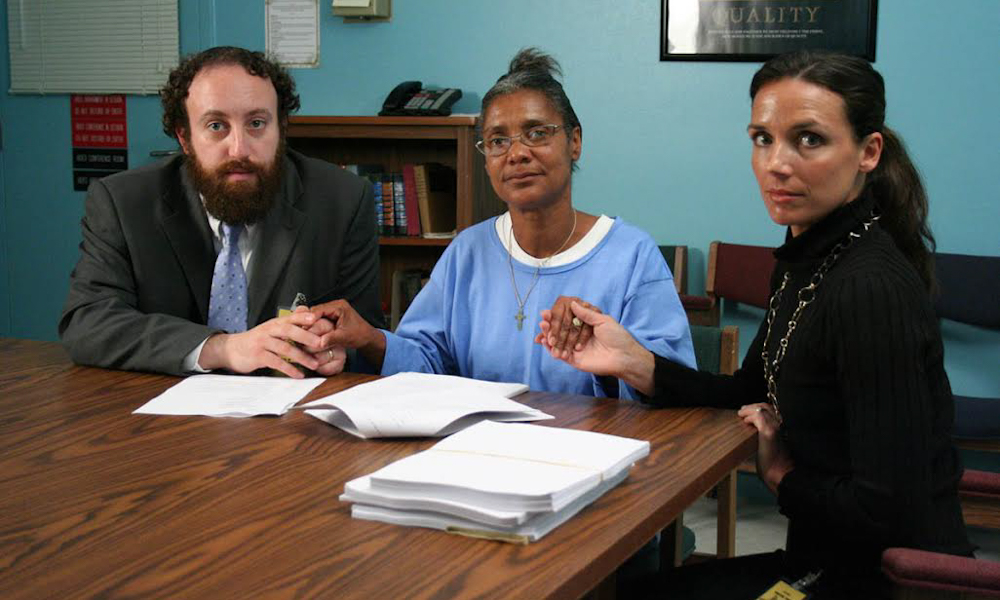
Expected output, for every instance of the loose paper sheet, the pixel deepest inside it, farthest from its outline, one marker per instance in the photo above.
(421, 405)
(230, 396)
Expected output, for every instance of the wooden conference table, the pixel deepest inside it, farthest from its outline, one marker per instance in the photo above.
(98, 502)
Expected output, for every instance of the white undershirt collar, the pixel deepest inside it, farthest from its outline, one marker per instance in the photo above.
(573, 253)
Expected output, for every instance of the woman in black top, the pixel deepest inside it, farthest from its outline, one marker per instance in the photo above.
(845, 378)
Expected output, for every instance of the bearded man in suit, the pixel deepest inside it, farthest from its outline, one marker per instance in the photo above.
(185, 262)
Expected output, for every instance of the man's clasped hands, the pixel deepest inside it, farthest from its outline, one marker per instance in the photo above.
(317, 338)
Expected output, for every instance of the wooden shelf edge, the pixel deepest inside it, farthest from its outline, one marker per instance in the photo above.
(412, 241)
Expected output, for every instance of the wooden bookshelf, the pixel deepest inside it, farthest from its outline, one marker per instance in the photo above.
(393, 142)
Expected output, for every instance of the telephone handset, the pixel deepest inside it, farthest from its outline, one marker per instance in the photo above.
(409, 99)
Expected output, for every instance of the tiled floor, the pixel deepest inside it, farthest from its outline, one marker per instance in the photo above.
(760, 528)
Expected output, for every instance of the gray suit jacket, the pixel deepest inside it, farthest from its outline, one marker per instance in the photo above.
(138, 297)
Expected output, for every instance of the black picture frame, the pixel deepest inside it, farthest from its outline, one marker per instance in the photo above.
(756, 30)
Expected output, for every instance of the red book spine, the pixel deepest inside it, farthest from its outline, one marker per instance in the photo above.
(412, 208)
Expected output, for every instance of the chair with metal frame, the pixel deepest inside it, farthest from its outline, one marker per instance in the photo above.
(920, 575)
(969, 292)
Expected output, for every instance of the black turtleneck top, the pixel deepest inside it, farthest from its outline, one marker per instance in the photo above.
(866, 405)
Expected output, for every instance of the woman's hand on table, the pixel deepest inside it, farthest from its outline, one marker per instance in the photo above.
(773, 460)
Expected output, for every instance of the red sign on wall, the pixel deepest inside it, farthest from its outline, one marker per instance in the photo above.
(99, 121)
(100, 137)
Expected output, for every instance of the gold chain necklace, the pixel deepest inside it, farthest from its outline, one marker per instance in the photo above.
(806, 295)
(519, 317)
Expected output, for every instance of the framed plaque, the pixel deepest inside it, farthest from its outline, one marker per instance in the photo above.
(755, 30)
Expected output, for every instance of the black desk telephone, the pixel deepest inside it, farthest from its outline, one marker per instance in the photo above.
(409, 99)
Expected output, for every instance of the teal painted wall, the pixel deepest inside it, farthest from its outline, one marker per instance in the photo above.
(4, 238)
(664, 142)
(41, 219)
(4, 267)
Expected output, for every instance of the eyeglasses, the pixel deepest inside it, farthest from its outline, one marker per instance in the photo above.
(498, 145)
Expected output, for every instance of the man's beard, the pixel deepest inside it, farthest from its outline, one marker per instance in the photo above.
(237, 202)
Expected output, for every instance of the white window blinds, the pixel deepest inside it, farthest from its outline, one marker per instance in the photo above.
(91, 46)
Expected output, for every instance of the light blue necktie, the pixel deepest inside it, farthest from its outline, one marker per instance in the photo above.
(227, 306)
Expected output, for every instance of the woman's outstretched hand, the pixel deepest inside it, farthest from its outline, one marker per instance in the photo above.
(610, 350)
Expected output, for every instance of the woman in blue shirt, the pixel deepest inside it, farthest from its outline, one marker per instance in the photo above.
(476, 317)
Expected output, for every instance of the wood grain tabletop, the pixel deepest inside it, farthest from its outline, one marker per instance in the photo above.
(96, 502)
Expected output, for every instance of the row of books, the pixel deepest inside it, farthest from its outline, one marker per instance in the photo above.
(419, 201)
(510, 482)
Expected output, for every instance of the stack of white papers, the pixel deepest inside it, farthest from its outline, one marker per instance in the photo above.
(421, 405)
(230, 396)
(511, 482)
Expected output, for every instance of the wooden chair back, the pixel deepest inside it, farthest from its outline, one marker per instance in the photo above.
(676, 257)
(738, 273)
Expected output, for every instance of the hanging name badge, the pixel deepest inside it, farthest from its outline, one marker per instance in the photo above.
(299, 300)
(284, 311)
(783, 591)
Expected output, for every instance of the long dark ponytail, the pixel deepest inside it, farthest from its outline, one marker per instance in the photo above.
(895, 182)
